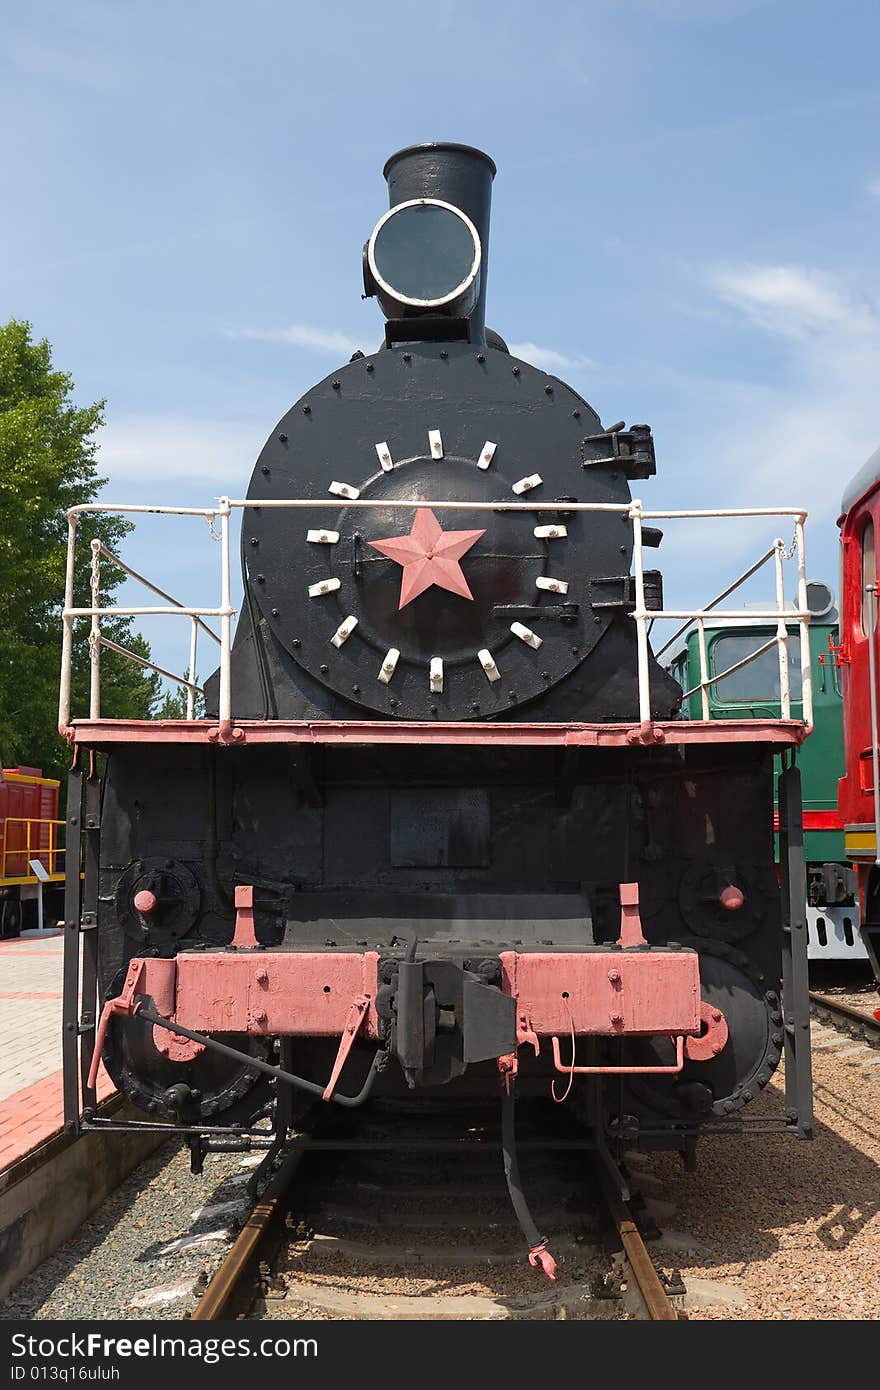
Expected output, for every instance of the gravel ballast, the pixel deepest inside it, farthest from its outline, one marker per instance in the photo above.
(146, 1249)
(794, 1225)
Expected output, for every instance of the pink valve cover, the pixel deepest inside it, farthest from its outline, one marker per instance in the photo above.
(613, 992)
(257, 992)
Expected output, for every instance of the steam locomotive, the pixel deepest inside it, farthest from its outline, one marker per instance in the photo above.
(425, 839)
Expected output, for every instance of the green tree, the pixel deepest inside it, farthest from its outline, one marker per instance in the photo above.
(47, 464)
(172, 704)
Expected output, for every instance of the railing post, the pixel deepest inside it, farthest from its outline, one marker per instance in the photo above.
(87, 1021)
(640, 615)
(190, 689)
(804, 624)
(782, 632)
(225, 710)
(70, 1001)
(67, 628)
(95, 635)
(795, 979)
(704, 667)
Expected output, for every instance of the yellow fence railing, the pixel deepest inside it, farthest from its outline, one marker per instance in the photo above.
(26, 838)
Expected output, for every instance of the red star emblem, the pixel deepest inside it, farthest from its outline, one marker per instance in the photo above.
(429, 555)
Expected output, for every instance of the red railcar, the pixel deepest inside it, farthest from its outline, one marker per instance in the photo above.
(859, 792)
(30, 831)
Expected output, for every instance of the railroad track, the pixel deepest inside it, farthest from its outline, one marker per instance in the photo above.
(305, 1252)
(345, 1231)
(856, 1023)
(238, 1280)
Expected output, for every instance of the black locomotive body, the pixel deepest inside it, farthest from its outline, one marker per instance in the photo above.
(432, 841)
(468, 853)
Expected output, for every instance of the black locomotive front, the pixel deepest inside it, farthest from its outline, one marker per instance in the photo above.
(342, 883)
(442, 411)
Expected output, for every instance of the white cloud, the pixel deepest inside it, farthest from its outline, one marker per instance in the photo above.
(872, 188)
(789, 299)
(817, 434)
(303, 335)
(146, 448)
(791, 436)
(799, 442)
(332, 342)
(548, 359)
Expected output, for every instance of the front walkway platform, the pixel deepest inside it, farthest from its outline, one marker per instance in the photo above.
(102, 733)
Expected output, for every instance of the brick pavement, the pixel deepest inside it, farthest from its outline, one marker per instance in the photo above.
(30, 1043)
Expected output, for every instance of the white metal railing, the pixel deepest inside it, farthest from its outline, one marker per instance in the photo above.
(778, 553)
(634, 511)
(97, 640)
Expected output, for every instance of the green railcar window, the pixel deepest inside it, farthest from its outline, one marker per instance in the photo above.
(759, 681)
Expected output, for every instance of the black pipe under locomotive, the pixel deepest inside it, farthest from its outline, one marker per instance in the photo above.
(384, 907)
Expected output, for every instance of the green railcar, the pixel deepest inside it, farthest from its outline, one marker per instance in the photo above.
(753, 692)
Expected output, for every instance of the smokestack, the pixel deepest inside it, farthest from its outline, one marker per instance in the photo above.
(456, 174)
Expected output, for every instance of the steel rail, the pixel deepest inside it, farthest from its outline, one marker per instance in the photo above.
(847, 1015)
(231, 1290)
(236, 1284)
(653, 1294)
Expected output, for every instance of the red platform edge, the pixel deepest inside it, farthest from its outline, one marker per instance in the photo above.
(102, 732)
(32, 1116)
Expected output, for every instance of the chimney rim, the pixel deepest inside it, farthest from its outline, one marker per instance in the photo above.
(427, 145)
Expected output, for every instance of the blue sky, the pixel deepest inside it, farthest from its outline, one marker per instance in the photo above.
(684, 226)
